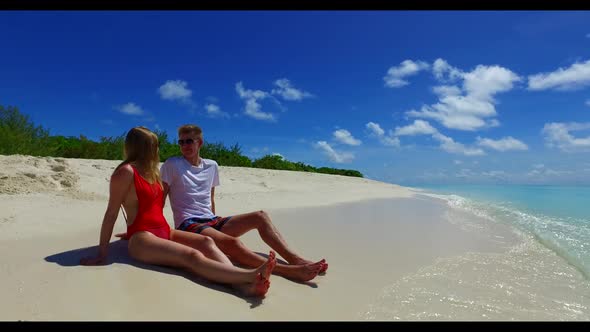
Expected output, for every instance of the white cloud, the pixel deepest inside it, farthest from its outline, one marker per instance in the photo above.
(249, 94)
(446, 90)
(465, 105)
(465, 173)
(344, 136)
(588, 102)
(588, 35)
(449, 145)
(375, 130)
(344, 157)
(472, 106)
(131, 109)
(557, 173)
(215, 112)
(485, 81)
(395, 75)
(457, 162)
(419, 127)
(288, 92)
(534, 172)
(504, 144)
(576, 76)
(175, 90)
(253, 110)
(495, 174)
(451, 117)
(539, 171)
(251, 98)
(558, 135)
(390, 140)
(278, 154)
(440, 67)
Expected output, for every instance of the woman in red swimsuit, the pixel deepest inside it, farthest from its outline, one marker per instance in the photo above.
(136, 185)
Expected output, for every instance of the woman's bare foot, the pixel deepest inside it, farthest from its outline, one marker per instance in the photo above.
(265, 270)
(259, 287)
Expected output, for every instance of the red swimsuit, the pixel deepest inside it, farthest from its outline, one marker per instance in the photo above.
(150, 206)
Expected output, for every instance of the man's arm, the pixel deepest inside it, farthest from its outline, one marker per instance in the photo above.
(166, 189)
(213, 200)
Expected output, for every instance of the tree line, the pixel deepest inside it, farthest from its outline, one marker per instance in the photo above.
(19, 135)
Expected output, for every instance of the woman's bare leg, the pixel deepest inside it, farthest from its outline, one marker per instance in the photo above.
(202, 243)
(148, 248)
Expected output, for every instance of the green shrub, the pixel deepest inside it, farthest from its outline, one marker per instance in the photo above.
(274, 162)
(224, 156)
(19, 135)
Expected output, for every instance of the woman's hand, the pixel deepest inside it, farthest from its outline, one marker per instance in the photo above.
(123, 236)
(93, 260)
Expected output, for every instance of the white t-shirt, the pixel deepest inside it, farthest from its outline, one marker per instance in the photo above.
(190, 187)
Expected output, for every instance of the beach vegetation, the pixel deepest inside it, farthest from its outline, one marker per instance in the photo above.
(19, 135)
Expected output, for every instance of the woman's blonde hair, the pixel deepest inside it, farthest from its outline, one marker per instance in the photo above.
(141, 150)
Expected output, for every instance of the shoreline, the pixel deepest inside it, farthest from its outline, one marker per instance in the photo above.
(363, 261)
(391, 250)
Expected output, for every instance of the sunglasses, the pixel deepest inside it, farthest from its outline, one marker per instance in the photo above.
(188, 141)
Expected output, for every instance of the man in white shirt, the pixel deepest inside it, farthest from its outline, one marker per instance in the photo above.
(191, 180)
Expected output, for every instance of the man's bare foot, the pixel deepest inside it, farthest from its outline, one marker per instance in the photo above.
(259, 287)
(304, 272)
(302, 261)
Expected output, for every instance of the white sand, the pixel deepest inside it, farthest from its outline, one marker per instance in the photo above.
(371, 233)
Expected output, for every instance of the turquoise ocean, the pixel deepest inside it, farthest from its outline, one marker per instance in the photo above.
(542, 274)
(557, 216)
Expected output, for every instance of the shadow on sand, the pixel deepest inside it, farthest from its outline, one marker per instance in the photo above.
(118, 254)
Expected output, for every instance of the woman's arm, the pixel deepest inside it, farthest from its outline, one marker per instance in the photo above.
(119, 186)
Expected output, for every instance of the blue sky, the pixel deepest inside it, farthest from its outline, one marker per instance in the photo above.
(404, 97)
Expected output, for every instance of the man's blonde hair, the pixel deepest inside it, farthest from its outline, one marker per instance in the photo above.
(191, 129)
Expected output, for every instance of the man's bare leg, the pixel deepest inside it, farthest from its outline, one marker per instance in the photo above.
(236, 249)
(240, 224)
